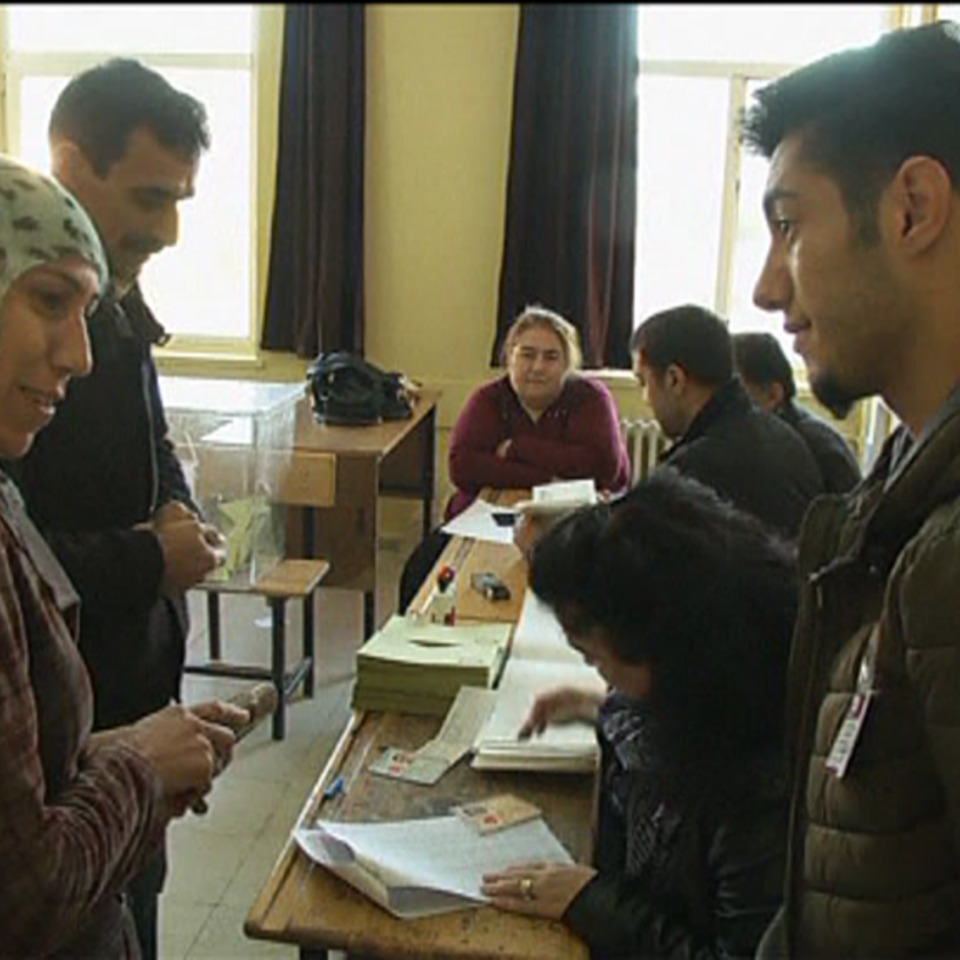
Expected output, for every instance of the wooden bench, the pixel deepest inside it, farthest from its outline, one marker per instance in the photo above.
(288, 580)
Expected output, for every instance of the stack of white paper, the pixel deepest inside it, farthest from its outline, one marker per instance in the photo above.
(415, 868)
(539, 659)
(559, 497)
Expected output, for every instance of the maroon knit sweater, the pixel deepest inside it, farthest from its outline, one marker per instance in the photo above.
(576, 437)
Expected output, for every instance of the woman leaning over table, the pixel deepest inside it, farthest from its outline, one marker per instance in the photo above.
(685, 606)
(79, 812)
(540, 421)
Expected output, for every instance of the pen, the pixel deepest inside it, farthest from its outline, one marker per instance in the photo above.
(334, 789)
(445, 578)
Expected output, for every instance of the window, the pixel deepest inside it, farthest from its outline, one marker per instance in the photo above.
(204, 289)
(701, 236)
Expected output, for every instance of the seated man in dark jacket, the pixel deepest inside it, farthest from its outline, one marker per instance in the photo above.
(768, 379)
(684, 361)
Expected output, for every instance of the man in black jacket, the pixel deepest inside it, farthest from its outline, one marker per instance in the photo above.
(768, 379)
(683, 359)
(103, 482)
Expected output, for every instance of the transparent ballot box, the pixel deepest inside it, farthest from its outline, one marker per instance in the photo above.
(235, 440)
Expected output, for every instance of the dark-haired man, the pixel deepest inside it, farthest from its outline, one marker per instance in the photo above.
(768, 379)
(683, 361)
(103, 482)
(863, 207)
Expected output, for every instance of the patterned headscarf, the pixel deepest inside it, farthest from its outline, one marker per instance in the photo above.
(40, 223)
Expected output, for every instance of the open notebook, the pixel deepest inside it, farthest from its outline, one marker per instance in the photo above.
(415, 868)
(539, 658)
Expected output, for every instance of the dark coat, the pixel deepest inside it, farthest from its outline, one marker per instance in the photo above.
(692, 872)
(873, 865)
(749, 457)
(838, 466)
(102, 466)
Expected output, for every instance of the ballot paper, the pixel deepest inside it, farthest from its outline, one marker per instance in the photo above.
(463, 722)
(413, 666)
(415, 868)
(478, 522)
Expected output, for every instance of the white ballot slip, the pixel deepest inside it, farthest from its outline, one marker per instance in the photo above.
(478, 522)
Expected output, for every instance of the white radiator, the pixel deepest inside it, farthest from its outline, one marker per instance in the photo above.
(645, 442)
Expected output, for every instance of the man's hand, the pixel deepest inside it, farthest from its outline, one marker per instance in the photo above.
(189, 546)
(182, 747)
(222, 714)
(561, 705)
(537, 889)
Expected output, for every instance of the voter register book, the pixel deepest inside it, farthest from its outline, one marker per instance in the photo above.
(539, 659)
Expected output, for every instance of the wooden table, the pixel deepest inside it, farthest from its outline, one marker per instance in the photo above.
(304, 904)
(395, 458)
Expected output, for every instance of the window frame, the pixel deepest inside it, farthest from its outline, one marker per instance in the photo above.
(19, 65)
(738, 75)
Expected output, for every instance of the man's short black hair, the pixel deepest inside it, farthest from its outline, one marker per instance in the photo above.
(99, 109)
(862, 112)
(690, 337)
(760, 359)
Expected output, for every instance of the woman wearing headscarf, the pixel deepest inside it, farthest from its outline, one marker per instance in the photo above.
(685, 606)
(79, 812)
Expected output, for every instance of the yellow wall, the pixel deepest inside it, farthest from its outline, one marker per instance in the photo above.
(439, 105)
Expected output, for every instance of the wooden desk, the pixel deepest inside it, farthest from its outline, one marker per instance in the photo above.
(304, 904)
(394, 458)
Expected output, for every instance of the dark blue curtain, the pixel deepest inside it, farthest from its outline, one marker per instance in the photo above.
(315, 284)
(569, 241)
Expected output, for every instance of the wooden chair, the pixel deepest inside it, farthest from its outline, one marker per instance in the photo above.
(288, 580)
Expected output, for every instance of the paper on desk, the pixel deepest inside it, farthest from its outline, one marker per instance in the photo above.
(415, 868)
(477, 522)
(464, 720)
(467, 714)
(540, 658)
(556, 498)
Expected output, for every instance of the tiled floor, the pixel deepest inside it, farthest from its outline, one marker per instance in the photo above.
(219, 862)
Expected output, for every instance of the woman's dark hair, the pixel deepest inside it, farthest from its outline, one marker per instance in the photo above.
(679, 579)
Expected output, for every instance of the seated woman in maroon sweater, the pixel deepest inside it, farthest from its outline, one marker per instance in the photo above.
(542, 421)
(539, 422)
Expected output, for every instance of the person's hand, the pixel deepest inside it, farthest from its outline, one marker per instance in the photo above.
(528, 529)
(537, 889)
(503, 448)
(171, 512)
(182, 748)
(188, 554)
(560, 705)
(222, 714)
